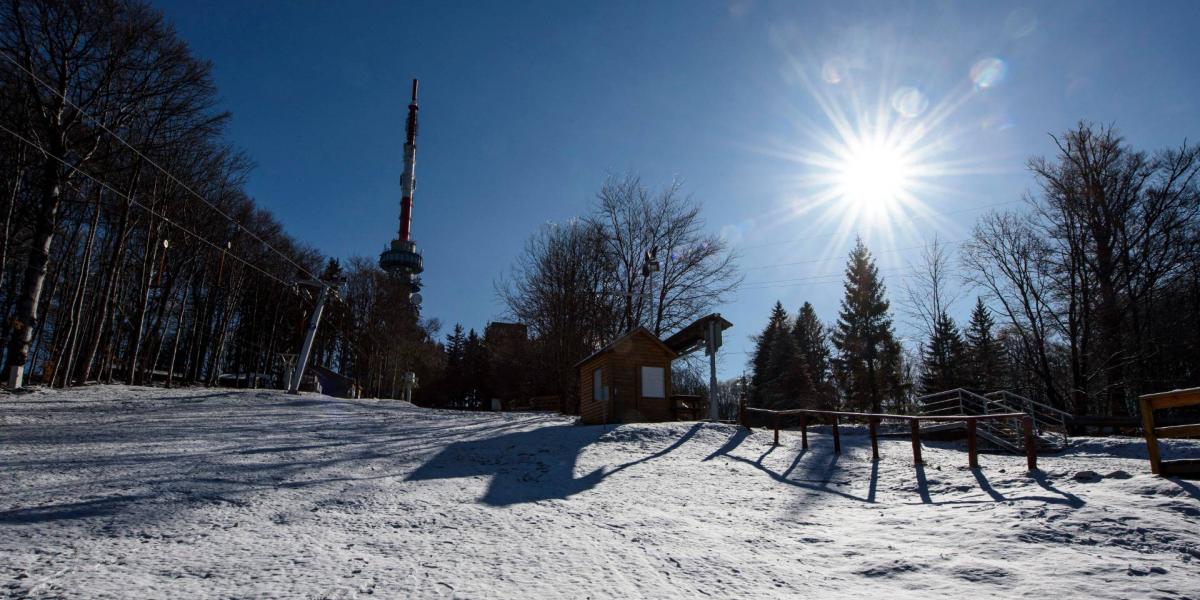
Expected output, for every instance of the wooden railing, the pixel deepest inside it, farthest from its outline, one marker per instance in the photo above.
(687, 407)
(914, 421)
(1173, 399)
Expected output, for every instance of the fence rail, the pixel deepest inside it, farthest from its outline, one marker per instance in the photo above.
(1173, 399)
(874, 419)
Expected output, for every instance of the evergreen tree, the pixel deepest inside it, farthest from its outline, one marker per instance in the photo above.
(985, 357)
(787, 381)
(812, 343)
(455, 374)
(863, 335)
(943, 357)
(475, 369)
(763, 345)
(897, 377)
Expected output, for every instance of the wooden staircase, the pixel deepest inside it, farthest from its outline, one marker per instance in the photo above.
(1050, 424)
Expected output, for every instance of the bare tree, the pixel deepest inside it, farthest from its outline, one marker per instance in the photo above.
(1007, 259)
(931, 290)
(697, 269)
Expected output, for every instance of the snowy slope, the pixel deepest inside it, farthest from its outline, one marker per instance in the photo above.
(133, 492)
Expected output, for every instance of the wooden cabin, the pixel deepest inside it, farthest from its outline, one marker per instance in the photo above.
(627, 381)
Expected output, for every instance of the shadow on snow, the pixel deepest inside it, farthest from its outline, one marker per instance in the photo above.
(528, 466)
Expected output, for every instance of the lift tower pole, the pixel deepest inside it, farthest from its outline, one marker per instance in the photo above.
(314, 322)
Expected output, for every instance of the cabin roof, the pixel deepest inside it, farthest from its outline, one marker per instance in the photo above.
(611, 346)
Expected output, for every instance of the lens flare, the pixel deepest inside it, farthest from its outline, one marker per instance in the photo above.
(988, 72)
(909, 102)
(835, 70)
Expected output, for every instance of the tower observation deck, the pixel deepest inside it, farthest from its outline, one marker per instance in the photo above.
(401, 259)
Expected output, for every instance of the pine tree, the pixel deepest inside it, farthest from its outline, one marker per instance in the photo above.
(787, 381)
(455, 373)
(475, 368)
(763, 345)
(863, 334)
(812, 343)
(943, 357)
(985, 359)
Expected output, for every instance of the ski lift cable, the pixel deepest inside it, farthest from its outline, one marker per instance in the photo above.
(104, 127)
(131, 200)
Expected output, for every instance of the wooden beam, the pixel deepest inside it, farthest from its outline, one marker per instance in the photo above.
(1148, 430)
(972, 445)
(804, 432)
(1189, 468)
(916, 441)
(1173, 398)
(871, 425)
(1030, 443)
(1178, 431)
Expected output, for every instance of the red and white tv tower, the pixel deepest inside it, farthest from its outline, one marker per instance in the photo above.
(402, 260)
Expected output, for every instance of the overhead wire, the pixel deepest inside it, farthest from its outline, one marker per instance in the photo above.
(139, 204)
(199, 197)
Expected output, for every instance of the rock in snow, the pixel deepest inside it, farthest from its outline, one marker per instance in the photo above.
(122, 492)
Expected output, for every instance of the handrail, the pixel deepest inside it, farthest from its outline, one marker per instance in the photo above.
(1149, 403)
(1045, 418)
(935, 418)
(873, 419)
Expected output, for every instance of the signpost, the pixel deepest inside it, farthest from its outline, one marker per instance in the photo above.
(712, 343)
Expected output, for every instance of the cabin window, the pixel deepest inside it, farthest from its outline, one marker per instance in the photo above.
(597, 387)
(653, 382)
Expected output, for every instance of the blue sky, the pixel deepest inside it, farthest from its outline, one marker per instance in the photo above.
(527, 106)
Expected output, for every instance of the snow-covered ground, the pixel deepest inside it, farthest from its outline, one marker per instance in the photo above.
(134, 492)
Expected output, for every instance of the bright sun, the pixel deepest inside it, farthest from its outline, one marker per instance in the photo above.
(872, 178)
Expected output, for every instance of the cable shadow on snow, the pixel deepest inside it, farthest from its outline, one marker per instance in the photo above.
(528, 466)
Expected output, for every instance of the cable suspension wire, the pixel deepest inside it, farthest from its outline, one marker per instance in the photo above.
(199, 197)
(131, 200)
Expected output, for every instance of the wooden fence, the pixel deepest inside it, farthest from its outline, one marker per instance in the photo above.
(1173, 399)
(873, 420)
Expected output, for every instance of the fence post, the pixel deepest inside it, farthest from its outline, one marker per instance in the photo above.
(804, 432)
(1147, 408)
(915, 425)
(775, 422)
(972, 445)
(872, 426)
(1030, 444)
(742, 412)
(837, 438)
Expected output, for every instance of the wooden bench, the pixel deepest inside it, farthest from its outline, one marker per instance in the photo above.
(1173, 399)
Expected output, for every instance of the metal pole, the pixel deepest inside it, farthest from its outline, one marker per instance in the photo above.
(309, 335)
(712, 370)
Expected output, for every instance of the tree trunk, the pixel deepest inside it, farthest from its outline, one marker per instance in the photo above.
(26, 315)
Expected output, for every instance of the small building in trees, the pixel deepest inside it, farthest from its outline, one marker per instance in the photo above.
(628, 380)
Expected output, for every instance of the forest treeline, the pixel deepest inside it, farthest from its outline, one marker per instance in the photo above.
(1085, 298)
(638, 257)
(130, 250)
